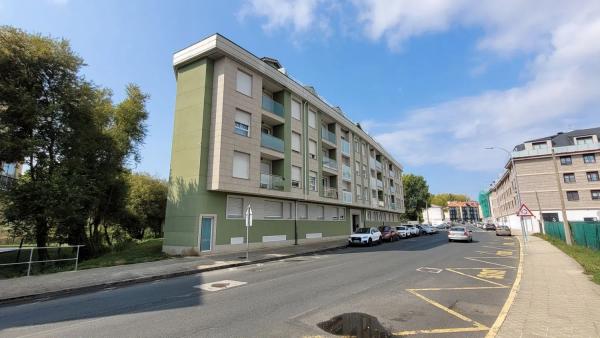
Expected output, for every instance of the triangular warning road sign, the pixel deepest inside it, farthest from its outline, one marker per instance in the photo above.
(524, 211)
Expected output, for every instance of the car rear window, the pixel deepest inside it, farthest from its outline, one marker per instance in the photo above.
(457, 229)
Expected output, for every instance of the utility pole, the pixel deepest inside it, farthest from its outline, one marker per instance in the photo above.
(427, 209)
(566, 225)
(541, 219)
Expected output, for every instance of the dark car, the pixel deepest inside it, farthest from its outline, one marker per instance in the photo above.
(490, 226)
(388, 233)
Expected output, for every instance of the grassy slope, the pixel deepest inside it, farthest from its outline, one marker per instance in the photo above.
(588, 258)
(146, 251)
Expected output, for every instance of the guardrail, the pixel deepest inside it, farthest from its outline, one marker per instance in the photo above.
(31, 261)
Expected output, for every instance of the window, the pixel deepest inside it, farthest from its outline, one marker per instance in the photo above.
(242, 123)
(341, 213)
(241, 165)
(312, 149)
(539, 145)
(364, 171)
(566, 160)
(585, 140)
(312, 119)
(273, 209)
(244, 83)
(358, 193)
(235, 207)
(596, 195)
(295, 142)
(296, 110)
(296, 176)
(569, 178)
(592, 176)
(572, 195)
(356, 148)
(302, 211)
(312, 181)
(590, 219)
(589, 158)
(320, 212)
(357, 168)
(366, 194)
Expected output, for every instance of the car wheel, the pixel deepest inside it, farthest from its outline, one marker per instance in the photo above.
(370, 242)
(449, 240)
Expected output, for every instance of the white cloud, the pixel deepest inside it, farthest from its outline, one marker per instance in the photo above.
(298, 15)
(560, 87)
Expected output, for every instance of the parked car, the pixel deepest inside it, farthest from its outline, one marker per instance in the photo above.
(365, 236)
(414, 231)
(429, 230)
(503, 230)
(388, 234)
(402, 231)
(489, 226)
(460, 233)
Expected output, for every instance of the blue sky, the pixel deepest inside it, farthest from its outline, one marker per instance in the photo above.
(434, 81)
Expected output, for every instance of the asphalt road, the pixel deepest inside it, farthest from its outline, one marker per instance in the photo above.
(412, 287)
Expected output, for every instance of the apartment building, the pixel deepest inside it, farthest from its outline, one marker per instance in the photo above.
(9, 174)
(247, 133)
(463, 211)
(534, 182)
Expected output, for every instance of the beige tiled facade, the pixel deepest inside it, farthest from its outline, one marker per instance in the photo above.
(537, 183)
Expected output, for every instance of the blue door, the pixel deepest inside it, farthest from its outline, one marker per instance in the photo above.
(206, 233)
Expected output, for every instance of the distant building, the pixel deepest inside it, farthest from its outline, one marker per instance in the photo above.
(10, 172)
(463, 211)
(576, 154)
(484, 205)
(434, 214)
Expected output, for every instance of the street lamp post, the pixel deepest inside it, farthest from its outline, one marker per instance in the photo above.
(512, 163)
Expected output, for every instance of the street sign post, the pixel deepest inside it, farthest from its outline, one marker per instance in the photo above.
(248, 225)
(524, 211)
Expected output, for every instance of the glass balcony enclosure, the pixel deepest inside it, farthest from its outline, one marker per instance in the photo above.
(272, 106)
(330, 163)
(327, 135)
(272, 182)
(271, 142)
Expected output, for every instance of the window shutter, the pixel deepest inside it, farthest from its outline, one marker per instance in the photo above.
(312, 119)
(235, 206)
(244, 83)
(296, 109)
(312, 147)
(296, 142)
(242, 117)
(302, 211)
(241, 165)
(273, 209)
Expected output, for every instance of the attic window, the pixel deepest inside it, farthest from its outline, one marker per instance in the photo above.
(584, 140)
(539, 145)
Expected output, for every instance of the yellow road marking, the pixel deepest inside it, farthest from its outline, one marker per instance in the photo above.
(481, 279)
(442, 307)
(504, 253)
(449, 330)
(511, 296)
(492, 263)
(497, 248)
(492, 274)
(509, 244)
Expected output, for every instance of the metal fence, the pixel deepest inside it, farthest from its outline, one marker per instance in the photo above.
(584, 233)
(14, 260)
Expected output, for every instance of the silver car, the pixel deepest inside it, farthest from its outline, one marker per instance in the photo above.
(503, 230)
(459, 233)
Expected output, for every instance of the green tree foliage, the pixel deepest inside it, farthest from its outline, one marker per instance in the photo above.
(146, 204)
(443, 198)
(73, 141)
(416, 194)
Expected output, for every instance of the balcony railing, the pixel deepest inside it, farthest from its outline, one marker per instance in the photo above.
(329, 192)
(327, 135)
(381, 203)
(345, 147)
(271, 142)
(330, 163)
(272, 106)
(346, 196)
(346, 172)
(379, 184)
(378, 165)
(393, 206)
(269, 181)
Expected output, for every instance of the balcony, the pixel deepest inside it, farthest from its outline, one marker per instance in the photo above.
(379, 184)
(328, 136)
(272, 106)
(346, 173)
(381, 204)
(329, 192)
(372, 182)
(330, 163)
(346, 196)
(345, 148)
(378, 165)
(393, 189)
(393, 206)
(272, 182)
(392, 174)
(271, 142)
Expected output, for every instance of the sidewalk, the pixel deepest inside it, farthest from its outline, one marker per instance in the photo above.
(555, 299)
(42, 286)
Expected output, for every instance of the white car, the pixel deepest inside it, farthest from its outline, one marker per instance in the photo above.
(429, 229)
(414, 231)
(402, 231)
(460, 233)
(365, 236)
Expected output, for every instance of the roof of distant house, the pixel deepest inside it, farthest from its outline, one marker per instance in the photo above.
(562, 139)
(463, 204)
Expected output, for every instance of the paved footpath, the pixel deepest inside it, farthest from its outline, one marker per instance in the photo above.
(555, 298)
(43, 286)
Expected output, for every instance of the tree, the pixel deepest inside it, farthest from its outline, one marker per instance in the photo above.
(443, 198)
(146, 204)
(416, 194)
(74, 141)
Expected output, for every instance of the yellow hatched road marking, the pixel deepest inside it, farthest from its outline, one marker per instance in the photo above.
(478, 278)
(504, 253)
(492, 274)
(442, 307)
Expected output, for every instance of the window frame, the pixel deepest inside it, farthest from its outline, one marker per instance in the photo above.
(236, 122)
(298, 182)
(312, 116)
(569, 162)
(595, 192)
(299, 118)
(312, 185)
(591, 155)
(237, 89)
(589, 174)
(299, 150)
(573, 193)
(571, 178)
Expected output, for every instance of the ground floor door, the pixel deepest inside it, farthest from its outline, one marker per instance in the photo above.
(355, 222)
(206, 233)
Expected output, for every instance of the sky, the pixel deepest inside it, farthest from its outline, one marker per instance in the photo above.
(434, 81)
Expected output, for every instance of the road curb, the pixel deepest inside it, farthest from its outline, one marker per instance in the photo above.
(90, 288)
(511, 296)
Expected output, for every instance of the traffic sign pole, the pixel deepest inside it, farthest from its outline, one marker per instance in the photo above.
(248, 225)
